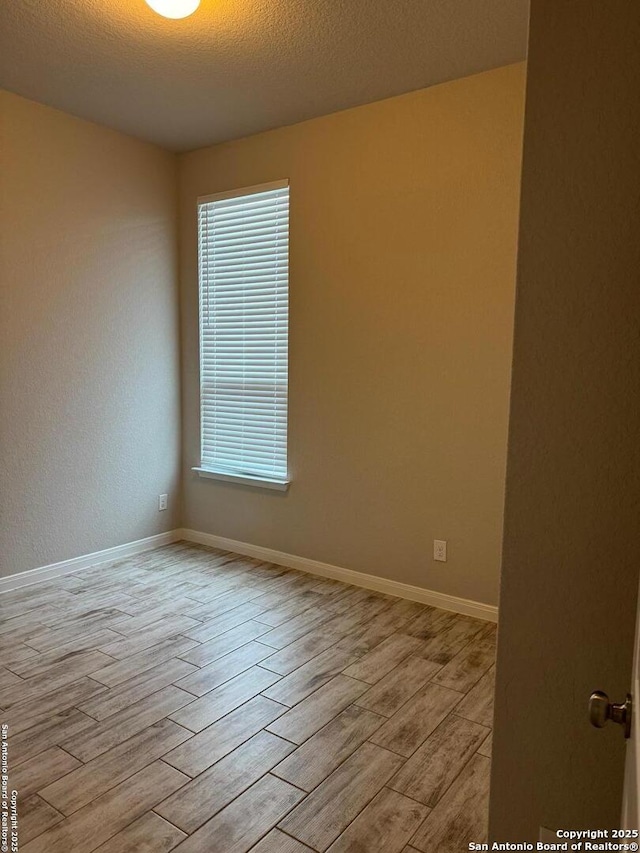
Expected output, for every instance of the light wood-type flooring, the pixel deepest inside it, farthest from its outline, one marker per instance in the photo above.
(193, 700)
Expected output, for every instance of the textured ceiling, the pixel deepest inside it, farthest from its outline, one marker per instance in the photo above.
(237, 67)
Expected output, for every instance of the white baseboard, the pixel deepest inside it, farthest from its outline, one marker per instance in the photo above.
(325, 570)
(76, 564)
(303, 564)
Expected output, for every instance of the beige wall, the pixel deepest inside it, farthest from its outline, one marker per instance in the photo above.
(89, 394)
(403, 237)
(571, 546)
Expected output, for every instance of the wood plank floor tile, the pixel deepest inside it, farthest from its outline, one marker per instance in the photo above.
(413, 723)
(489, 633)
(141, 615)
(89, 641)
(52, 731)
(101, 819)
(125, 647)
(211, 791)
(114, 699)
(229, 566)
(208, 677)
(147, 614)
(281, 588)
(406, 611)
(115, 765)
(427, 624)
(300, 651)
(434, 766)
(214, 603)
(294, 605)
(318, 709)
(31, 597)
(230, 695)
(330, 587)
(326, 812)
(310, 676)
(216, 741)
(83, 605)
(222, 569)
(148, 834)
(468, 666)
(395, 689)
(164, 588)
(117, 672)
(17, 622)
(383, 658)
(461, 815)
(103, 736)
(295, 628)
(384, 826)
(18, 652)
(222, 700)
(59, 675)
(312, 762)
(346, 599)
(242, 823)
(46, 660)
(283, 612)
(74, 583)
(26, 715)
(87, 582)
(104, 585)
(477, 705)
(487, 745)
(277, 842)
(16, 628)
(220, 624)
(35, 817)
(50, 638)
(356, 621)
(225, 601)
(31, 776)
(451, 637)
(36, 606)
(206, 653)
(373, 631)
(7, 678)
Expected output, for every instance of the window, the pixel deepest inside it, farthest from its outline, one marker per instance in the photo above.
(243, 261)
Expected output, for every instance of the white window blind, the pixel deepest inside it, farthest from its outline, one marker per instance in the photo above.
(244, 299)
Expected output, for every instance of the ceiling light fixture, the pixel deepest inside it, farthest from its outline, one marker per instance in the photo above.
(174, 8)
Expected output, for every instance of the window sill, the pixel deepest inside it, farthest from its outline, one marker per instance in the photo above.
(245, 479)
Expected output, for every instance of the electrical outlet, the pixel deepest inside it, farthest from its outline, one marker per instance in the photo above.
(162, 502)
(440, 550)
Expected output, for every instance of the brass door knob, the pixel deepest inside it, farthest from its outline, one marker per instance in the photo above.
(601, 710)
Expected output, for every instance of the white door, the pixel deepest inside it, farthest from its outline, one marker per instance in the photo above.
(571, 555)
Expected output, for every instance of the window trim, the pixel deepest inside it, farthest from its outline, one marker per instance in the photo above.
(243, 479)
(248, 479)
(242, 191)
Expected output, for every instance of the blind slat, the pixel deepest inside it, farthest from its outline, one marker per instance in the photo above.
(243, 248)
